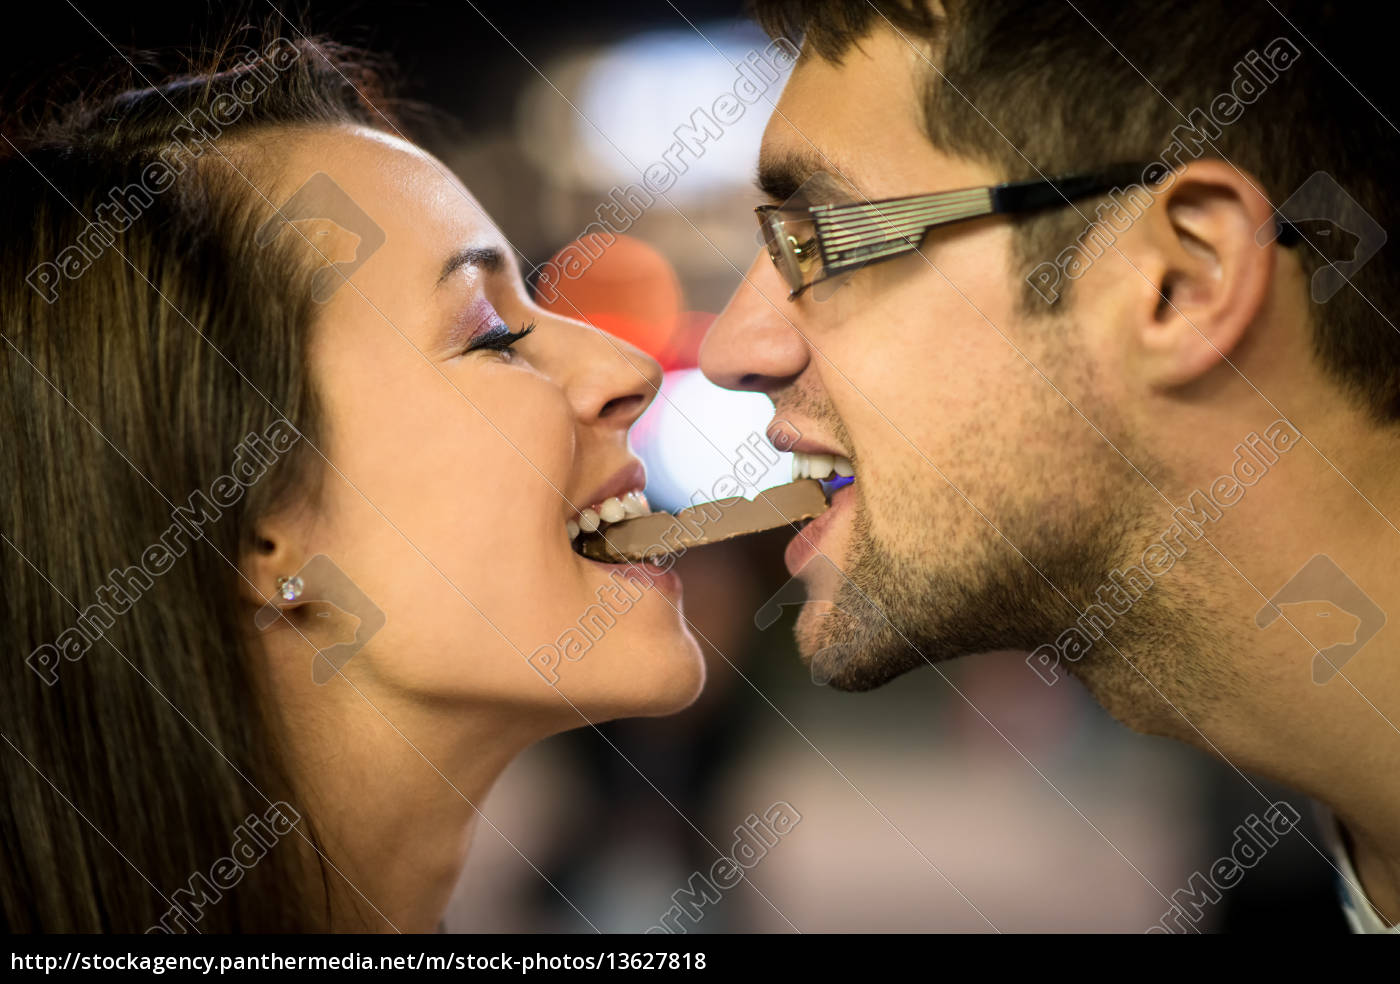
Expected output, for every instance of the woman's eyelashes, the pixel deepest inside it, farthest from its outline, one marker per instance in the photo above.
(497, 338)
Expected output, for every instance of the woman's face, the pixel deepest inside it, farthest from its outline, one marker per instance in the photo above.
(457, 457)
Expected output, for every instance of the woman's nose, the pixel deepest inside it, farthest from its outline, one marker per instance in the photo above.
(613, 381)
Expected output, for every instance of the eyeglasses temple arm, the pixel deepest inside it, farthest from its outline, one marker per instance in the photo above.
(1019, 197)
(1033, 196)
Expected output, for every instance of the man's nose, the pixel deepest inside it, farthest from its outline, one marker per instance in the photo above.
(756, 342)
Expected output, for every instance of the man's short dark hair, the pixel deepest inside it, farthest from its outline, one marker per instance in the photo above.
(1050, 86)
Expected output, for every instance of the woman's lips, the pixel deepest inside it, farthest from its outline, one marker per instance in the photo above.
(667, 580)
(631, 477)
(620, 497)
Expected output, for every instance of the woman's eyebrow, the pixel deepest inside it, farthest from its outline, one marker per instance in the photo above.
(488, 258)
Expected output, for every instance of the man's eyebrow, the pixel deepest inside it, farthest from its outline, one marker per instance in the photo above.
(489, 258)
(782, 177)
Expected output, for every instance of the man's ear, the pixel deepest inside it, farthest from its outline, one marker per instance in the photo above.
(1203, 277)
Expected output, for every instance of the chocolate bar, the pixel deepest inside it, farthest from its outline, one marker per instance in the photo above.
(653, 537)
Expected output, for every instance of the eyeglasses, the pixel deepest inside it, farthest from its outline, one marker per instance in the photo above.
(815, 243)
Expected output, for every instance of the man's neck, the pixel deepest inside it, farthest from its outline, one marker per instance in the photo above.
(1311, 682)
(1377, 866)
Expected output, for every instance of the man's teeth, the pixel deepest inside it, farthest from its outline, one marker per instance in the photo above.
(613, 510)
(820, 466)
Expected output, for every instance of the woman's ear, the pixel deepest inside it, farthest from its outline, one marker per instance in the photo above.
(271, 556)
(1206, 278)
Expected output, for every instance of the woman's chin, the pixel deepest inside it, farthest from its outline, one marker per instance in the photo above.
(648, 681)
(680, 687)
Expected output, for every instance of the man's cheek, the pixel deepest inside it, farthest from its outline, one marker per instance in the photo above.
(882, 506)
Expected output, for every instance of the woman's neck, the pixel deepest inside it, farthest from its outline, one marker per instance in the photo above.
(394, 800)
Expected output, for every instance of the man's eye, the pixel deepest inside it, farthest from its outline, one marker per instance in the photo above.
(498, 338)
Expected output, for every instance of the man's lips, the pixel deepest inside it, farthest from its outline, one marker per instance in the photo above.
(808, 541)
(812, 446)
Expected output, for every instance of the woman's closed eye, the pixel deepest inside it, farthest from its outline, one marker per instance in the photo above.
(497, 338)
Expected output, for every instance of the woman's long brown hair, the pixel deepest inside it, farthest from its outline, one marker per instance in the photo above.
(131, 370)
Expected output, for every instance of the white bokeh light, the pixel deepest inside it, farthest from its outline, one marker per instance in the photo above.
(626, 102)
(695, 433)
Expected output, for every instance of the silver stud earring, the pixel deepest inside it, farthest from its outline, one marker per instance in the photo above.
(289, 588)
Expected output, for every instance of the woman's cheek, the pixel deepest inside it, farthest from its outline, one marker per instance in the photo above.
(535, 417)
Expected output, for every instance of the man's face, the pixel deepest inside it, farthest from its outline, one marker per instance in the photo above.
(974, 510)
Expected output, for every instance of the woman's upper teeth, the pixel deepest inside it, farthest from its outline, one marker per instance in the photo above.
(806, 465)
(612, 510)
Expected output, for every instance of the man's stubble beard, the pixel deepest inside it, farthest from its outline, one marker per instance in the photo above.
(909, 598)
(902, 607)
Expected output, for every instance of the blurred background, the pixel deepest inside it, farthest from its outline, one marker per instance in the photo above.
(969, 797)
